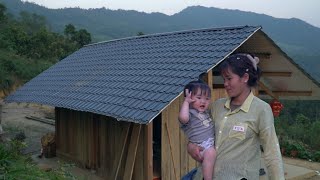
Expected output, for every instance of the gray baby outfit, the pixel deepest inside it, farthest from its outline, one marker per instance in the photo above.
(199, 129)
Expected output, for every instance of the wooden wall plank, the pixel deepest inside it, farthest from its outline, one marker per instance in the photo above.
(174, 134)
(57, 125)
(166, 162)
(184, 156)
(122, 151)
(148, 151)
(138, 171)
(132, 151)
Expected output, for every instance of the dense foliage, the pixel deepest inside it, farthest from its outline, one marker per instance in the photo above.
(298, 128)
(14, 165)
(28, 47)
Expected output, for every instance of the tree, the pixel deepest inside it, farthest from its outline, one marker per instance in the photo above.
(69, 30)
(140, 33)
(18, 38)
(32, 22)
(82, 37)
(3, 16)
(41, 44)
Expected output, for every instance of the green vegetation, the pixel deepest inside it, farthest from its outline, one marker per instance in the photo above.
(298, 128)
(14, 165)
(28, 47)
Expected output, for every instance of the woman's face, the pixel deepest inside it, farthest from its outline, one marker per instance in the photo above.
(233, 83)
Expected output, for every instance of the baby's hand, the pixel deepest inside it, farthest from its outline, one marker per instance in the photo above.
(188, 96)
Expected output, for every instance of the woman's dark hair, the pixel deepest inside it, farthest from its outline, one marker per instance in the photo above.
(241, 64)
(194, 86)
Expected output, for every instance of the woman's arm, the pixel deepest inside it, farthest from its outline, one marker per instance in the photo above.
(269, 141)
(194, 152)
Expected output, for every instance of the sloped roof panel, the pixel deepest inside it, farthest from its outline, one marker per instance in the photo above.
(132, 79)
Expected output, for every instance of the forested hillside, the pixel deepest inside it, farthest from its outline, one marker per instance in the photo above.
(28, 47)
(297, 38)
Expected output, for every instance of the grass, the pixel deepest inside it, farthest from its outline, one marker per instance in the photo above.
(14, 165)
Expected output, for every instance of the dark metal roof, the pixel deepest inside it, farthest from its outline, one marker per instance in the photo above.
(132, 79)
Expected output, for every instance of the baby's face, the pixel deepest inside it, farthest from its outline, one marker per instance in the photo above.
(202, 101)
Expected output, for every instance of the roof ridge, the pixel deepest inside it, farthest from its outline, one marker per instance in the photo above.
(174, 32)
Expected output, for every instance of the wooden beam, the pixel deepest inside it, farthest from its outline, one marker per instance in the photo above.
(265, 55)
(267, 90)
(209, 79)
(291, 93)
(122, 151)
(148, 149)
(132, 150)
(261, 55)
(217, 86)
(277, 74)
(171, 149)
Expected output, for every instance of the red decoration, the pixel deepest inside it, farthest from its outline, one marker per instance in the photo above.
(276, 107)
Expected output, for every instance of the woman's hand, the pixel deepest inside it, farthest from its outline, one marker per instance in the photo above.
(194, 152)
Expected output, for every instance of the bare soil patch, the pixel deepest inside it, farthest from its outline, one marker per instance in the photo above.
(14, 121)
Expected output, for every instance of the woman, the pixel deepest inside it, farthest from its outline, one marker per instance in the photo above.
(243, 122)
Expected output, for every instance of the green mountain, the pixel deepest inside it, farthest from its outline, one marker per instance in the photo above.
(297, 38)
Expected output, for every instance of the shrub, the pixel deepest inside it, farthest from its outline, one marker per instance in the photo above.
(316, 156)
(14, 165)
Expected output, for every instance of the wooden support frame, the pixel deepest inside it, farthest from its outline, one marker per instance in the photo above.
(220, 86)
(267, 90)
(289, 93)
(171, 149)
(261, 55)
(277, 74)
(122, 151)
(148, 156)
(132, 150)
(208, 78)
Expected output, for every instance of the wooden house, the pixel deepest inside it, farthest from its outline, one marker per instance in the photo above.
(117, 102)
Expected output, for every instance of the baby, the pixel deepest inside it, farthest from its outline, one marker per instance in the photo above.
(197, 124)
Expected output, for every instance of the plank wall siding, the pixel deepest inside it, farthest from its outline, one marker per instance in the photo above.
(102, 143)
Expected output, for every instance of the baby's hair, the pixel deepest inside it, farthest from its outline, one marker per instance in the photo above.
(194, 86)
(243, 63)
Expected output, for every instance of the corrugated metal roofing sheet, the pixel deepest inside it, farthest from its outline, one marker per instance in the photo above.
(132, 79)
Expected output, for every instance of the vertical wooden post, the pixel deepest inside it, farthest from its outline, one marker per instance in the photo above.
(122, 150)
(148, 160)
(208, 78)
(132, 150)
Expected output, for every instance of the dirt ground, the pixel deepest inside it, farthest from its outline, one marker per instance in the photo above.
(14, 121)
